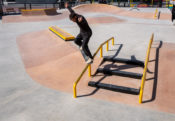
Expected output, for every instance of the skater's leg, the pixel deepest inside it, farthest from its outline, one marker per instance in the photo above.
(85, 46)
(78, 40)
(173, 13)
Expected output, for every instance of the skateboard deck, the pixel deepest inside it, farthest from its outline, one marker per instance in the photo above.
(84, 55)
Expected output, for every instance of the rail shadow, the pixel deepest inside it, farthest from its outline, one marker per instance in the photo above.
(155, 78)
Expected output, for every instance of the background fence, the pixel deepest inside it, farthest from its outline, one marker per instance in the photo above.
(15, 6)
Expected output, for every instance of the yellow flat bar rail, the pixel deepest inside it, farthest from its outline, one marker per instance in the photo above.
(145, 69)
(88, 66)
(61, 33)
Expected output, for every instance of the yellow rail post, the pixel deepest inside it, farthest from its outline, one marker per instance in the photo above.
(112, 41)
(74, 90)
(75, 83)
(145, 70)
(89, 70)
(155, 15)
(101, 51)
(107, 46)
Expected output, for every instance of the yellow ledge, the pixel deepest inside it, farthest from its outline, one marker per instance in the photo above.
(61, 33)
(37, 9)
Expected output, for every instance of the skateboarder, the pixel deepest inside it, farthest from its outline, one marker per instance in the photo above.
(83, 37)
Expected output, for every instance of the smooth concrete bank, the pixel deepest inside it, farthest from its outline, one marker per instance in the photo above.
(23, 99)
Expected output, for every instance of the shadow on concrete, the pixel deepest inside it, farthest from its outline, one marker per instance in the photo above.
(95, 90)
(51, 12)
(154, 90)
(116, 54)
(9, 14)
(108, 66)
(116, 67)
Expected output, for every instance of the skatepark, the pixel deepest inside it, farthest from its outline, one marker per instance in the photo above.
(39, 68)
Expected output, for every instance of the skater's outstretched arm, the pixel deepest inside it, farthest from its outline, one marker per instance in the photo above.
(69, 8)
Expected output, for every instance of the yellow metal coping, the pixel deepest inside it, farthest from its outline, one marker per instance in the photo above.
(145, 69)
(61, 33)
(88, 66)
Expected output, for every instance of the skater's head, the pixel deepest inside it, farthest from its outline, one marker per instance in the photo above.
(73, 17)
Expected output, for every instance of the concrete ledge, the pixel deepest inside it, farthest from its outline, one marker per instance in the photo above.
(61, 33)
(35, 12)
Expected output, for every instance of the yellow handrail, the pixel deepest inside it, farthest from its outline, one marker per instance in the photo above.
(88, 66)
(145, 69)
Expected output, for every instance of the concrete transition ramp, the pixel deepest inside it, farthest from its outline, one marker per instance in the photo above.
(51, 61)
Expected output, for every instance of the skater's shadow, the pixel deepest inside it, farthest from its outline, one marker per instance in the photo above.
(119, 67)
(157, 45)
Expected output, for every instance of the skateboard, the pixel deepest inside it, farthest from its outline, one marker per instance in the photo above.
(84, 55)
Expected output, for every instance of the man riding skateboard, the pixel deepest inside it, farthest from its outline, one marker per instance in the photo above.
(83, 37)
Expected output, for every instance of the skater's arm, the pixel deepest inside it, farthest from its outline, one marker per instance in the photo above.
(69, 8)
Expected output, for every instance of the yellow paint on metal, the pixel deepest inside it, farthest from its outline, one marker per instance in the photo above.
(101, 51)
(155, 14)
(107, 46)
(145, 69)
(75, 83)
(88, 66)
(89, 70)
(74, 90)
(37, 9)
(69, 37)
(112, 41)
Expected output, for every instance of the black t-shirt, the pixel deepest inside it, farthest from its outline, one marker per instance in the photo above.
(83, 25)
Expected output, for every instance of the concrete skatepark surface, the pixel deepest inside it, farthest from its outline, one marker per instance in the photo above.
(32, 56)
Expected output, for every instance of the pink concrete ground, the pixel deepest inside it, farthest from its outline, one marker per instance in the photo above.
(118, 11)
(91, 8)
(57, 64)
(50, 60)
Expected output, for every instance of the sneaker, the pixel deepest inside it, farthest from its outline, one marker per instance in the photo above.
(89, 61)
(80, 47)
(174, 22)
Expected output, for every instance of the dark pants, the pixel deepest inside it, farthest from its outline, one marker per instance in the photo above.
(173, 13)
(85, 37)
